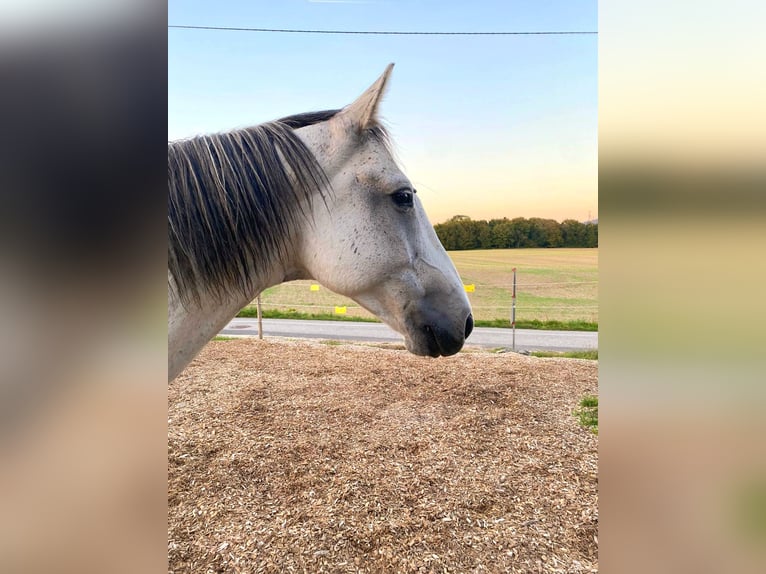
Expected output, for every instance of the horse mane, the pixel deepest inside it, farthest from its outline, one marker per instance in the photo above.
(233, 200)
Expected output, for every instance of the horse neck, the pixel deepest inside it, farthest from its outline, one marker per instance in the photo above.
(193, 323)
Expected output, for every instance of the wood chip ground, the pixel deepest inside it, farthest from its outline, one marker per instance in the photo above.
(288, 456)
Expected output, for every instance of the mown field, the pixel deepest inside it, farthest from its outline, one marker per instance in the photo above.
(551, 285)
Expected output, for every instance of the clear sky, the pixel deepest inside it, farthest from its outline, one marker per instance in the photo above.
(499, 126)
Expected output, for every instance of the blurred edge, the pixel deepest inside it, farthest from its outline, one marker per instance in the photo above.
(83, 410)
(682, 183)
(682, 467)
(82, 287)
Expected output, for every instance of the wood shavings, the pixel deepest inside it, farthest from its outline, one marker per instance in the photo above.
(300, 457)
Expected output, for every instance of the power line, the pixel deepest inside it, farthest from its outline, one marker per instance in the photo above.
(382, 32)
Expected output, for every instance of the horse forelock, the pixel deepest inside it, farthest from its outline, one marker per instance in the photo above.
(233, 200)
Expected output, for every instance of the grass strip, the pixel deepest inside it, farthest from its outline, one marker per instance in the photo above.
(542, 325)
(589, 354)
(291, 314)
(588, 412)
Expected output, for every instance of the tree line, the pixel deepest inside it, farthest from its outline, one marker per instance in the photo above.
(462, 232)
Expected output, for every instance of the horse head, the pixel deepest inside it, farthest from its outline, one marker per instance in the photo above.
(370, 238)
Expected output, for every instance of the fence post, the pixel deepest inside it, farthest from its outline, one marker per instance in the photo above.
(260, 316)
(513, 310)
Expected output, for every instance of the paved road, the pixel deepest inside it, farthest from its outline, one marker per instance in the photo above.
(526, 339)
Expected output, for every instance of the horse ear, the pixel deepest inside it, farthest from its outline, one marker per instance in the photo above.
(364, 110)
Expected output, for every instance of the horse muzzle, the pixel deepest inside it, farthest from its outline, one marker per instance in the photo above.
(439, 338)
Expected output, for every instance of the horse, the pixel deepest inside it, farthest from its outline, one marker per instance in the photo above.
(317, 196)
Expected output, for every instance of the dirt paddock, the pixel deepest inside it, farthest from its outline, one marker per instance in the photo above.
(307, 457)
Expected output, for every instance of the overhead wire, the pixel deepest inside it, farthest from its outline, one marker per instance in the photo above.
(382, 32)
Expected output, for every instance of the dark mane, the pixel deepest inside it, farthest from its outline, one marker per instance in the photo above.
(233, 200)
(307, 119)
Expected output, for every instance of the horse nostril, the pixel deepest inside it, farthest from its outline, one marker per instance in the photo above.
(468, 325)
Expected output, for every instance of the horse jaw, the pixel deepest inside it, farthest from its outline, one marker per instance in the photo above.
(431, 330)
(433, 323)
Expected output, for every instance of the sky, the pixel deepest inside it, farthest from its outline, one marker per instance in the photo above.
(489, 126)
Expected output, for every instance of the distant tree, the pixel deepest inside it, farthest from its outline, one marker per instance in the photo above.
(591, 235)
(573, 233)
(484, 232)
(462, 232)
(519, 233)
(447, 234)
(501, 233)
(466, 233)
(553, 232)
(459, 232)
(537, 235)
(544, 233)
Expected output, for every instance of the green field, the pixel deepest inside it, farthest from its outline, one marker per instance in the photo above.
(551, 285)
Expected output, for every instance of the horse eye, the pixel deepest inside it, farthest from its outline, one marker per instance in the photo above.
(402, 198)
